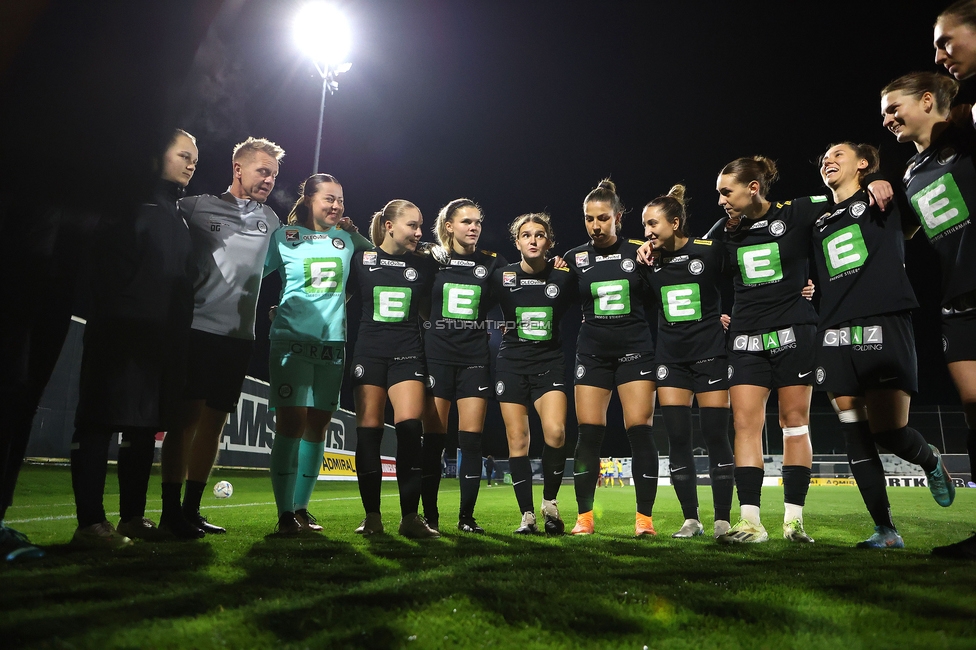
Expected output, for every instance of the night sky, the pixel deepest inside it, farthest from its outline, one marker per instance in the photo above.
(525, 106)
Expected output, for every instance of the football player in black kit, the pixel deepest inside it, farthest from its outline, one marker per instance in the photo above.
(393, 280)
(940, 183)
(534, 296)
(866, 346)
(614, 348)
(772, 337)
(690, 355)
(458, 362)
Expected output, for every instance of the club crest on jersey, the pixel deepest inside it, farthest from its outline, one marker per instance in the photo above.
(284, 390)
(499, 387)
(777, 228)
(338, 243)
(627, 265)
(369, 258)
(821, 375)
(946, 156)
(480, 271)
(582, 259)
(662, 372)
(358, 371)
(508, 278)
(262, 226)
(858, 208)
(695, 267)
(410, 274)
(552, 291)
(291, 235)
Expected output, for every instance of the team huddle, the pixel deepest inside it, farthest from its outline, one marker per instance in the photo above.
(189, 270)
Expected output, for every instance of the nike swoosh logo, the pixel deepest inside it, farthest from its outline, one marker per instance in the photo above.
(726, 464)
(514, 289)
(585, 269)
(309, 475)
(482, 388)
(554, 385)
(559, 473)
(673, 469)
(418, 374)
(475, 476)
(579, 473)
(801, 375)
(713, 381)
(374, 268)
(863, 460)
(519, 482)
(646, 476)
(646, 372)
(888, 379)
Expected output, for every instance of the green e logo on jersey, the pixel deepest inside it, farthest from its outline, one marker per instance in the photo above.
(322, 274)
(844, 250)
(534, 323)
(681, 302)
(611, 298)
(461, 301)
(391, 304)
(760, 263)
(940, 206)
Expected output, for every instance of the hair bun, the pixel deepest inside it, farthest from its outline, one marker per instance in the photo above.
(607, 184)
(677, 192)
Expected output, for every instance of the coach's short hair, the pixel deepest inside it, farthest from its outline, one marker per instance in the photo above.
(252, 145)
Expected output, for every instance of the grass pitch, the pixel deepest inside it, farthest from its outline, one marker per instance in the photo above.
(339, 590)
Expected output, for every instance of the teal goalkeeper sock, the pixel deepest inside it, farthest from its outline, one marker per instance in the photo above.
(309, 464)
(284, 467)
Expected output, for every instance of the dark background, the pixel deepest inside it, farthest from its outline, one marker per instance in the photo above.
(525, 106)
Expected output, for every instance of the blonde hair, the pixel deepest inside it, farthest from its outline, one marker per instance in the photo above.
(443, 237)
(672, 205)
(390, 212)
(253, 145)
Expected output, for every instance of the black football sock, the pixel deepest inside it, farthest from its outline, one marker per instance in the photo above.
(430, 481)
(553, 466)
(521, 470)
(191, 498)
(644, 466)
(908, 444)
(89, 460)
(748, 485)
(681, 458)
(868, 471)
(721, 464)
(172, 505)
(369, 467)
(586, 464)
(409, 435)
(796, 483)
(136, 454)
(469, 473)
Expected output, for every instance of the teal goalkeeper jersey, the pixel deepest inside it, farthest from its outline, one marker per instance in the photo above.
(314, 267)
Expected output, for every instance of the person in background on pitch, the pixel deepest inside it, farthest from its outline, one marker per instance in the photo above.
(489, 468)
(312, 254)
(614, 350)
(134, 361)
(394, 281)
(458, 359)
(687, 275)
(940, 182)
(530, 371)
(230, 236)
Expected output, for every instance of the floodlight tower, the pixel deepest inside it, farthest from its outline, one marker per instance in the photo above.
(322, 33)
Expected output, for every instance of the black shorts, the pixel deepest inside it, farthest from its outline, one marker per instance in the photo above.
(868, 353)
(959, 335)
(608, 372)
(457, 382)
(216, 368)
(773, 359)
(388, 371)
(527, 389)
(697, 376)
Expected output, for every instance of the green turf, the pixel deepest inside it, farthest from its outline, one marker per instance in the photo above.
(608, 591)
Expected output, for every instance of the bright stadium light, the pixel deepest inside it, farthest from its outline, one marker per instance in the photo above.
(322, 33)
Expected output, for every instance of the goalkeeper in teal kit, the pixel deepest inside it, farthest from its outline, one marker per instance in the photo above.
(312, 255)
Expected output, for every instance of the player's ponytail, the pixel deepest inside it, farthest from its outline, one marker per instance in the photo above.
(672, 206)
(390, 212)
(757, 168)
(444, 238)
